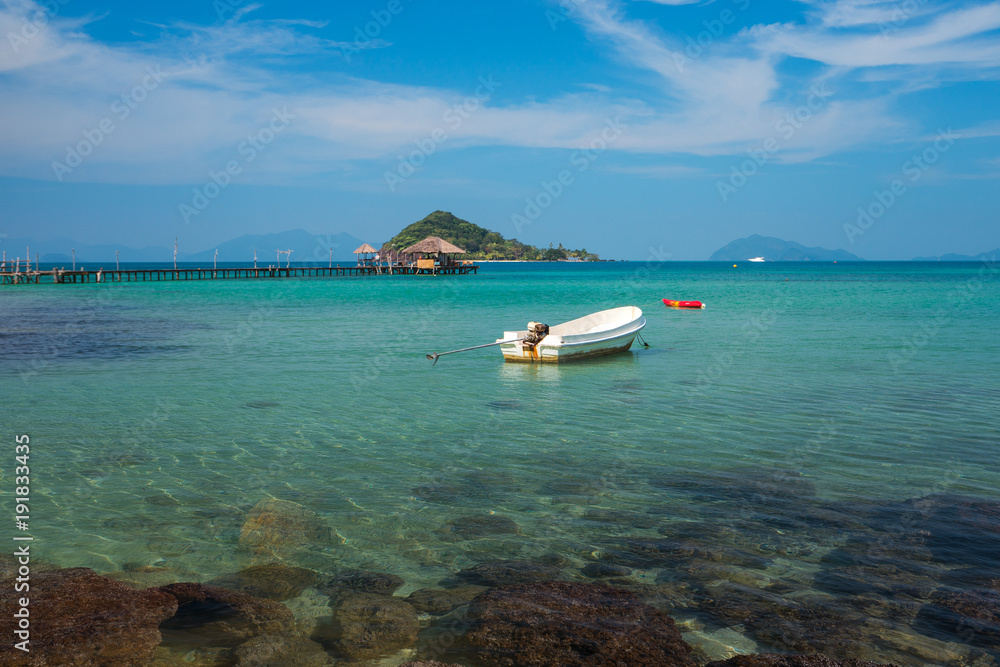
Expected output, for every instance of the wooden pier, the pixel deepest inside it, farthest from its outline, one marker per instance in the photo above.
(60, 276)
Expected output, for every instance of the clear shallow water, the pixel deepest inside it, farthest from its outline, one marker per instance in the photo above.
(787, 421)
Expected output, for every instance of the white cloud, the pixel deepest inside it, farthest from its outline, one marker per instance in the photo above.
(217, 89)
(956, 37)
(676, 2)
(722, 100)
(886, 14)
(984, 130)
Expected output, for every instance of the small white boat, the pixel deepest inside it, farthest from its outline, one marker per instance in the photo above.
(597, 334)
(756, 259)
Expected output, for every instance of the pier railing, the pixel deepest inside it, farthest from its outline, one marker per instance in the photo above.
(62, 276)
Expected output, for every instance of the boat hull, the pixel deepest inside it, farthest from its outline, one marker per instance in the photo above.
(683, 304)
(551, 354)
(596, 335)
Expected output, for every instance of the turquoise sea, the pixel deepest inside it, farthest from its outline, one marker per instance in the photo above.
(812, 462)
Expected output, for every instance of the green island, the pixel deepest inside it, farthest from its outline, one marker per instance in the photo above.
(481, 243)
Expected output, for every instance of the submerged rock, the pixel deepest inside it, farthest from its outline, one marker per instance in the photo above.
(794, 625)
(162, 499)
(665, 596)
(468, 485)
(620, 518)
(277, 528)
(81, 618)
(581, 486)
(598, 570)
(145, 576)
(646, 552)
(202, 656)
(270, 650)
(490, 483)
(564, 623)
(885, 580)
(505, 404)
(272, 582)
(500, 573)
(439, 601)
(707, 571)
(367, 626)
(362, 581)
(962, 529)
(761, 486)
(474, 527)
(870, 549)
(950, 528)
(216, 616)
(9, 566)
(972, 617)
(438, 493)
(973, 577)
(779, 660)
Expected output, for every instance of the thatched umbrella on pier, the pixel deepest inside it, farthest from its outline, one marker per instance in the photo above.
(434, 245)
(363, 252)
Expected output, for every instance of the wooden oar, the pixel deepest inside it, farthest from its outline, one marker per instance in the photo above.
(434, 357)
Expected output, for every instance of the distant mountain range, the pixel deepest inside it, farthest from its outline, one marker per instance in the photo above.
(61, 250)
(481, 243)
(991, 256)
(778, 250)
(304, 246)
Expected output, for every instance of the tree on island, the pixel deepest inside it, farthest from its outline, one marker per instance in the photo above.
(554, 254)
(481, 243)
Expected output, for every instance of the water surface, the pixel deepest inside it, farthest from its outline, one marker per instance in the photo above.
(776, 435)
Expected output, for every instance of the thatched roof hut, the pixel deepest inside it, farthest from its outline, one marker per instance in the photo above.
(366, 254)
(434, 245)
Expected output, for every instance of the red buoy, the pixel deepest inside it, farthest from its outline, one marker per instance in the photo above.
(683, 304)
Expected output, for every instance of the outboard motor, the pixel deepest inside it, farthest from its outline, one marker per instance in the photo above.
(536, 332)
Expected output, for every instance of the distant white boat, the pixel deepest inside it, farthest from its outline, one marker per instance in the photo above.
(597, 334)
(756, 259)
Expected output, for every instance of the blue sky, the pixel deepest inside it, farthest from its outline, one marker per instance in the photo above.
(634, 128)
